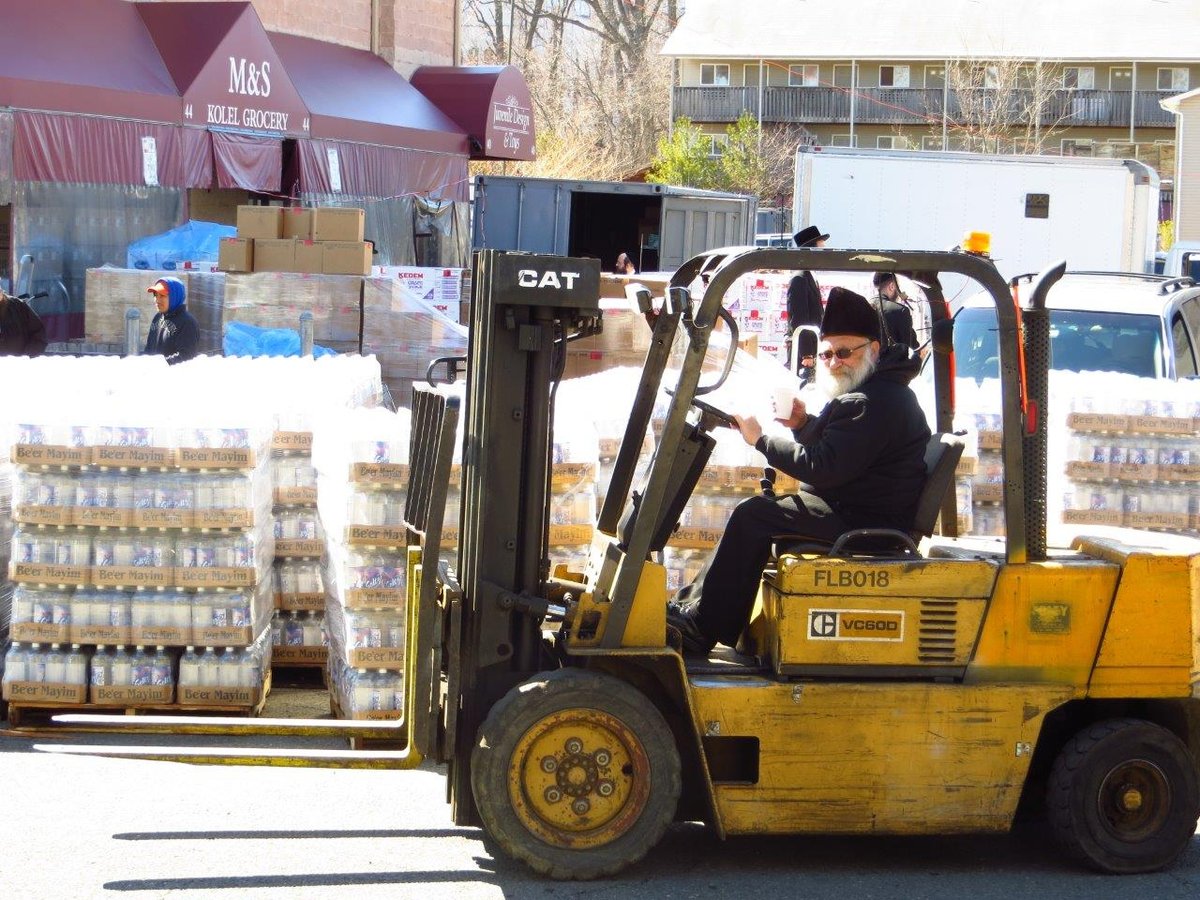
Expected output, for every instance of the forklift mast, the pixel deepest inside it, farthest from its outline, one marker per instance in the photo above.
(525, 308)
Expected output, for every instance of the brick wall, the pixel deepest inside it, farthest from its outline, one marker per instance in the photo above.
(411, 32)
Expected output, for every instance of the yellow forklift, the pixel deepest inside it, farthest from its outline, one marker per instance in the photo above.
(937, 688)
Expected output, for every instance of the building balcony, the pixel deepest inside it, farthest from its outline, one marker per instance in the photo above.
(922, 106)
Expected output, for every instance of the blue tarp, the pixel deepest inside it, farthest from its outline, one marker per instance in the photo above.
(190, 242)
(250, 340)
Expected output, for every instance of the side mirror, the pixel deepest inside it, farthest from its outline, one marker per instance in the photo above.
(942, 337)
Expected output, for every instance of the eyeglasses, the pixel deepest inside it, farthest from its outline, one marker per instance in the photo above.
(842, 353)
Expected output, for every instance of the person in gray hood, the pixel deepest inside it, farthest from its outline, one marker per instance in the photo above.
(861, 464)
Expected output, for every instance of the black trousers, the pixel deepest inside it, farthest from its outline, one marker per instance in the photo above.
(725, 589)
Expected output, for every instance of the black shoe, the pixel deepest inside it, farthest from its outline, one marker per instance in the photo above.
(694, 641)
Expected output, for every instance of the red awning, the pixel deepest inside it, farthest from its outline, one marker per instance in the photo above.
(225, 67)
(92, 150)
(95, 57)
(371, 171)
(353, 95)
(490, 103)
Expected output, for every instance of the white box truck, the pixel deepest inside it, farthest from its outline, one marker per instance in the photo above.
(1097, 214)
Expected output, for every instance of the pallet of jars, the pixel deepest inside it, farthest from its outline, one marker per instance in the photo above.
(150, 558)
(145, 616)
(143, 499)
(299, 639)
(55, 676)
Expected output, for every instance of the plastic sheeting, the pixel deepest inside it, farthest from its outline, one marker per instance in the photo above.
(250, 340)
(191, 242)
(6, 147)
(370, 170)
(247, 162)
(409, 231)
(90, 150)
(71, 228)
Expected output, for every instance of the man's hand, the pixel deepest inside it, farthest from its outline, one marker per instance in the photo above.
(750, 429)
(798, 414)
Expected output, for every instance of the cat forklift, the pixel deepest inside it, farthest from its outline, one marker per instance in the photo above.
(943, 686)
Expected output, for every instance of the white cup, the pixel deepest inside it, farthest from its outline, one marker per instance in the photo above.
(782, 398)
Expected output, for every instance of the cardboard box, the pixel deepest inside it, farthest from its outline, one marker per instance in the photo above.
(161, 635)
(310, 602)
(48, 573)
(43, 515)
(346, 258)
(133, 457)
(376, 536)
(201, 695)
(310, 257)
(286, 655)
(109, 292)
(40, 692)
(223, 636)
(260, 222)
(376, 598)
(300, 441)
(51, 455)
(48, 632)
(216, 576)
(295, 496)
(338, 223)
(216, 458)
(298, 547)
(236, 254)
(100, 634)
(132, 694)
(376, 657)
(274, 255)
(297, 223)
(132, 576)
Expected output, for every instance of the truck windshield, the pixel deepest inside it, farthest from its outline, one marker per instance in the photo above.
(1080, 341)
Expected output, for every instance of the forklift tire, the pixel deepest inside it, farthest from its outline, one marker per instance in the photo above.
(575, 773)
(1123, 797)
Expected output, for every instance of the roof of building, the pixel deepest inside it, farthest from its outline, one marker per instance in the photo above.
(1143, 30)
(1173, 104)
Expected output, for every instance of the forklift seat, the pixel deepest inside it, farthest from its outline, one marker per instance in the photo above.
(942, 454)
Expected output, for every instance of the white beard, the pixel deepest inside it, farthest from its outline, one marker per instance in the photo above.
(847, 379)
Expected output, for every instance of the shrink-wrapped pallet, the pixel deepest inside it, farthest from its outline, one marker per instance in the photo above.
(406, 333)
(109, 292)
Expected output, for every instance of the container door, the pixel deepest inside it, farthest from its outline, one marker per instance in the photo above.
(521, 214)
(692, 225)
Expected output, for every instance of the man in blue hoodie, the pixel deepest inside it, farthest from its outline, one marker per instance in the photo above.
(173, 332)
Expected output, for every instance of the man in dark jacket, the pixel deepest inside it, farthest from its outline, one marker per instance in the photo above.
(173, 332)
(21, 330)
(804, 295)
(861, 463)
(896, 317)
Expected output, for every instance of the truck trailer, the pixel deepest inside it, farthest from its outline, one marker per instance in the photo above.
(659, 226)
(1100, 214)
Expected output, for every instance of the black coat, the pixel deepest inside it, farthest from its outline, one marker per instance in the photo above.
(864, 454)
(173, 334)
(804, 305)
(899, 322)
(21, 330)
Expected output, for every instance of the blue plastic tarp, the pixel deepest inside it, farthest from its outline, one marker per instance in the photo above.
(190, 242)
(250, 340)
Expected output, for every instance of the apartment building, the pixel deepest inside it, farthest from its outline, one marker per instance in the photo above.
(1079, 77)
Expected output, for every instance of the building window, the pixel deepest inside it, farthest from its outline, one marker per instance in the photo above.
(893, 76)
(843, 140)
(717, 146)
(1076, 147)
(1079, 78)
(750, 75)
(891, 142)
(931, 142)
(803, 76)
(1175, 80)
(714, 74)
(935, 76)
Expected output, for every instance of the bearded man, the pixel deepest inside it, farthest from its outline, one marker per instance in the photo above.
(861, 464)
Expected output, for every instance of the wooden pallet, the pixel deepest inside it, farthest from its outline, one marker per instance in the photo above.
(38, 719)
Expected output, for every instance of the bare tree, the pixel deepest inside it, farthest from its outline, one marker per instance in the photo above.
(1005, 105)
(600, 90)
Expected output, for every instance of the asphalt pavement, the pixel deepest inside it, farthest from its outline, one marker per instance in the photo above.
(75, 827)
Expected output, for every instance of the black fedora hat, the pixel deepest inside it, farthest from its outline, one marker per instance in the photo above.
(808, 236)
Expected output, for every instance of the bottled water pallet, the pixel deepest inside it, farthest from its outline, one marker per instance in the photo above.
(335, 709)
(38, 719)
